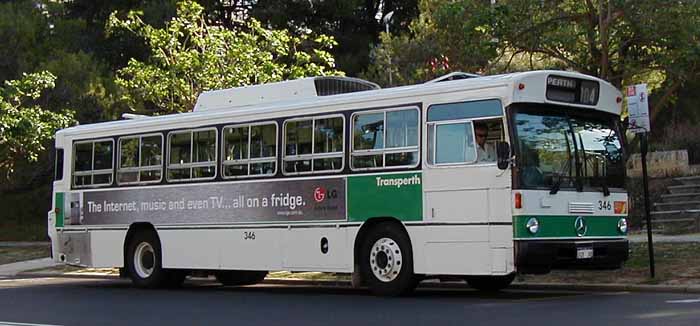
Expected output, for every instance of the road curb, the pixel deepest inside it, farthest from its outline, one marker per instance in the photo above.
(436, 285)
(64, 275)
(517, 286)
(609, 287)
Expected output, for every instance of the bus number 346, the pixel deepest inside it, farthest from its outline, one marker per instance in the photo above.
(248, 235)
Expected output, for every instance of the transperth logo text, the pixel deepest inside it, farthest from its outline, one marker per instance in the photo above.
(398, 182)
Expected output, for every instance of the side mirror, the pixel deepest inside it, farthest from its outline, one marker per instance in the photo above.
(503, 155)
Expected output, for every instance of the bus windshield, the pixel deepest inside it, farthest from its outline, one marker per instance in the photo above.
(560, 148)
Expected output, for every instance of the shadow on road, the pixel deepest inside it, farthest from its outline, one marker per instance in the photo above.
(205, 286)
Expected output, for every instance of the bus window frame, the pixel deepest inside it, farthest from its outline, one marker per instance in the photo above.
(59, 164)
(92, 171)
(140, 168)
(192, 165)
(430, 137)
(285, 158)
(249, 161)
(384, 151)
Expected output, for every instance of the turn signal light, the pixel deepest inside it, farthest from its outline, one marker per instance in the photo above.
(620, 207)
(518, 200)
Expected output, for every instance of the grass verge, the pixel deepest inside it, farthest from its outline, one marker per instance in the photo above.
(10, 255)
(676, 264)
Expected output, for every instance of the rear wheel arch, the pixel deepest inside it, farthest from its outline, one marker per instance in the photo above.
(135, 228)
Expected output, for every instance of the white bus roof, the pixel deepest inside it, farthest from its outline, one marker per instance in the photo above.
(212, 105)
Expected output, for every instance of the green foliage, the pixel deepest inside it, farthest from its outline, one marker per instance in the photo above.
(624, 42)
(355, 24)
(23, 31)
(614, 39)
(447, 36)
(189, 56)
(25, 128)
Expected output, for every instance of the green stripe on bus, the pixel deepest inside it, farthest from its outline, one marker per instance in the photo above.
(59, 212)
(393, 195)
(563, 226)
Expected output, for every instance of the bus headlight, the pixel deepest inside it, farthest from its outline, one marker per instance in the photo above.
(532, 225)
(622, 225)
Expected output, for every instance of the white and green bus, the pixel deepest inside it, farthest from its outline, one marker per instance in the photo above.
(479, 178)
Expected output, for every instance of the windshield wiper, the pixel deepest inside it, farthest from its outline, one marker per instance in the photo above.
(559, 175)
(603, 179)
(604, 184)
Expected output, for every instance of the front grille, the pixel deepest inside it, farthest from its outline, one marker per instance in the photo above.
(581, 208)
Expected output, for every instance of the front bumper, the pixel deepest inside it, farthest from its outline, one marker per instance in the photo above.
(541, 256)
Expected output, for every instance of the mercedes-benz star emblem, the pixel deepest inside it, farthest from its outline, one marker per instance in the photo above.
(580, 226)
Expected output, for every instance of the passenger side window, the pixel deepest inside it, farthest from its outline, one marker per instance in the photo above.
(464, 132)
(250, 150)
(453, 143)
(383, 139)
(92, 163)
(140, 159)
(192, 155)
(314, 145)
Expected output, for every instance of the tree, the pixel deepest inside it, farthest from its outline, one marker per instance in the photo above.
(355, 24)
(25, 127)
(447, 36)
(624, 42)
(189, 56)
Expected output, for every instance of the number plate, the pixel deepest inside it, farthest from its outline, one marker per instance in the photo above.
(584, 253)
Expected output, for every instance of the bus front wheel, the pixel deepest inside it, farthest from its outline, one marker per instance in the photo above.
(490, 283)
(233, 278)
(386, 261)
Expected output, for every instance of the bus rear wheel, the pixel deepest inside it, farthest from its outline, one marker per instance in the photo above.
(143, 261)
(233, 278)
(490, 283)
(386, 261)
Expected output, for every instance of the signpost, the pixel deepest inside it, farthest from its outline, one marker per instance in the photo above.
(638, 109)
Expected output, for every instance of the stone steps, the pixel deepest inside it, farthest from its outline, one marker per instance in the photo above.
(683, 197)
(679, 209)
(676, 206)
(693, 180)
(680, 214)
(684, 189)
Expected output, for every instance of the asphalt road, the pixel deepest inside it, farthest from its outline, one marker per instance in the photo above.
(65, 301)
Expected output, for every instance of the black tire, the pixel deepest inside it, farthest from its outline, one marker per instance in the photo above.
(235, 278)
(146, 270)
(490, 283)
(392, 259)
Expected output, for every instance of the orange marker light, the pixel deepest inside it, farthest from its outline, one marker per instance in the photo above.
(518, 200)
(620, 207)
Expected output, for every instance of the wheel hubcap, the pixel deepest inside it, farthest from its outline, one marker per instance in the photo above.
(144, 260)
(385, 259)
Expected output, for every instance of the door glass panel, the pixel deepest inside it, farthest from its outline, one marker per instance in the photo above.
(454, 143)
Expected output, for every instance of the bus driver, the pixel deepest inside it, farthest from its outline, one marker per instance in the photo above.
(484, 153)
